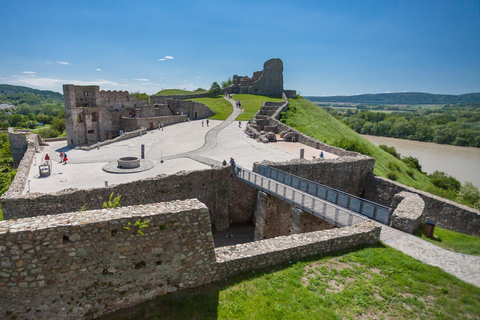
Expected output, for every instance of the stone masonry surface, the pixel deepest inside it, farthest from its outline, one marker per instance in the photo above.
(446, 213)
(407, 211)
(81, 264)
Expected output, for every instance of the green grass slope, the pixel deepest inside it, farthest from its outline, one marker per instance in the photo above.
(371, 283)
(251, 104)
(222, 107)
(308, 118)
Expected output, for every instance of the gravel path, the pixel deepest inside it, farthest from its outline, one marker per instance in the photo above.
(463, 266)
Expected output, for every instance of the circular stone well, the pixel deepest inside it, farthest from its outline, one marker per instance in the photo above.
(128, 163)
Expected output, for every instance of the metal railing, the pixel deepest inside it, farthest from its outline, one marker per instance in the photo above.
(364, 207)
(323, 209)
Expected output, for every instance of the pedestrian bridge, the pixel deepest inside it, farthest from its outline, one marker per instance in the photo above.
(334, 206)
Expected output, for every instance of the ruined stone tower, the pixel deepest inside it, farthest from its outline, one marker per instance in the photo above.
(268, 82)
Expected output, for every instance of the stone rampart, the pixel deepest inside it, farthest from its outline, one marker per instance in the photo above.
(150, 123)
(84, 264)
(349, 174)
(18, 145)
(162, 99)
(264, 253)
(20, 180)
(194, 109)
(407, 211)
(228, 198)
(124, 136)
(446, 213)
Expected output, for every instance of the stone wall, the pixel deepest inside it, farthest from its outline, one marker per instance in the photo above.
(273, 217)
(264, 253)
(85, 264)
(446, 213)
(130, 124)
(194, 109)
(81, 264)
(407, 211)
(20, 180)
(228, 198)
(18, 145)
(162, 99)
(303, 222)
(349, 174)
(124, 136)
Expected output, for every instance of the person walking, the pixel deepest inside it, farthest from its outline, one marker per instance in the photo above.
(202, 123)
(239, 124)
(208, 121)
(65, 159)
(61, 156)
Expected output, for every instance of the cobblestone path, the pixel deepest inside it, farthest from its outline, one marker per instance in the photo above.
(463, 266)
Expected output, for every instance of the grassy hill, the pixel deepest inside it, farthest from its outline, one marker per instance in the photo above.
(28, 95)
(402, 98)
(308, 118)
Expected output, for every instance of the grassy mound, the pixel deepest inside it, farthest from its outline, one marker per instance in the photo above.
(317, 123)
(251, 104)
(371, 283)
(451, 240)
(222, 107)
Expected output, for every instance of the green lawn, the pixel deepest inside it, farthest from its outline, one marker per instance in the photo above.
(251, 104)
(371, 283)
(451, 240)
(222, 107)
(170, 92)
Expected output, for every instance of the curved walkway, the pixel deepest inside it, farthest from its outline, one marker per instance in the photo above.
(463, 266)
(210, 140)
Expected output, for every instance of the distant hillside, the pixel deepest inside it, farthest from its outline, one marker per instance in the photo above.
(6, 89)
(17, 95)
(402, 98)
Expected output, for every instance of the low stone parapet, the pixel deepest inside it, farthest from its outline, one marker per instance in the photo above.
(408, 209)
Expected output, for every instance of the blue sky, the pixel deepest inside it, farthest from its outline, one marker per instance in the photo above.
(327, 47)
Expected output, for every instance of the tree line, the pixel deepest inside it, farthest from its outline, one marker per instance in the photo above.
(451, 124)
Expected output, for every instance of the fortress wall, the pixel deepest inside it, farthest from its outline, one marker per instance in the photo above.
(226, 197)
(446, 213)
(194, 109)
(18, 145)
(161, 99)
(20, 180)
(124, 136)
(130, 124)
(84, 264)
(349, 174)
(260, 254)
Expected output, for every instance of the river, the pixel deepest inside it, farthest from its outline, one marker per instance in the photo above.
(462, 163)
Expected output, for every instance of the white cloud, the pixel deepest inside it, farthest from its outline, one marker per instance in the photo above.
(48, 62)
(63, 62)
(141, 80)
(28, 72)
(98, 69)
(162, 59)
(187, 86)
(169, 57)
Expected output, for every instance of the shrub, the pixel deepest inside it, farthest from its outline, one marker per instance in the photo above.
(353, 145)
(444, 181)
(390, 150)
(393, 166)
(470, 194)
(413, 163)
(410, 172)
(48, 133)
(392, 175)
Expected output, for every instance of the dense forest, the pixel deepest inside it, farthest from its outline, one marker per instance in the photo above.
(451, 124)
(33, 107)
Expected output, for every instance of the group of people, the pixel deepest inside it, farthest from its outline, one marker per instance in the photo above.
(238, 104)
(63, 157)
(208, 121)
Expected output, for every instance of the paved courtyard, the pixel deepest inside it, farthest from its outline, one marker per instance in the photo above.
(184, 146)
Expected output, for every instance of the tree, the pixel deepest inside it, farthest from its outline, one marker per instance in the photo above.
(215, 88)
(226, 83)
(58, 124)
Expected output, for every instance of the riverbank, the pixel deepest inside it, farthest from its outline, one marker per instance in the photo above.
(462, 163)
